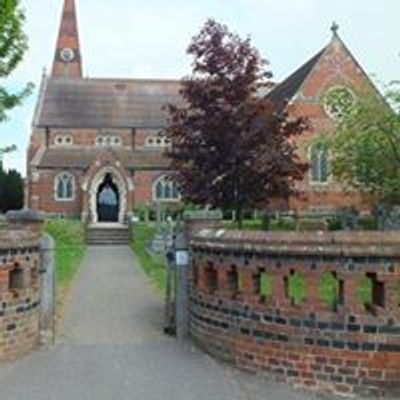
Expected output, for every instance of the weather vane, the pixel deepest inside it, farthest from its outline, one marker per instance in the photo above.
(335, 28)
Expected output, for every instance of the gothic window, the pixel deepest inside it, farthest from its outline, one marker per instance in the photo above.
(338, 101)
(65, 187)
(165, 189)
(319, 168)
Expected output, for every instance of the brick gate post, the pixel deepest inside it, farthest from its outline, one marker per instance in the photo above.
(194, 222)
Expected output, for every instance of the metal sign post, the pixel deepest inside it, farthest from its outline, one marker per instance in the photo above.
(182, 287)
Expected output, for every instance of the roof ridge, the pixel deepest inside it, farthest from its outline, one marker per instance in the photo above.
(119, 80)
(289, 87)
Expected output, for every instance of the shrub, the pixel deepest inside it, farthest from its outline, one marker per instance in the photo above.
(283, 224)
(368, 223)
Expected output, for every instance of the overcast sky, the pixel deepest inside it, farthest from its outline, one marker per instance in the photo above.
(147, 39)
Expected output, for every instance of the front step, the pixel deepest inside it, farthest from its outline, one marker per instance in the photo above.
(107, 235)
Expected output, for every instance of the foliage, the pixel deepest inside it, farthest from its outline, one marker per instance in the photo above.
(282, 224)
(368, 223)
(297, 288)
(11, 190)
(175, 210)
(365, 148)
(339, 101)
(153, 266)
(13, 45)
(266, 284)
(70, 248)
(334, 223)
(143, 212)
(329, 289)
(364, 291)
(230, 147)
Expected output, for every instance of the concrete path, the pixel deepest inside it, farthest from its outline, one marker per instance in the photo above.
(111, 347)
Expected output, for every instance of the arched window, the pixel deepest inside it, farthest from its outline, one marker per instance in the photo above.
(319, 164)
(165, 189)
(65, 187)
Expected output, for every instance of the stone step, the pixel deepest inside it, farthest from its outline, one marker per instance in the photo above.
(103, 236)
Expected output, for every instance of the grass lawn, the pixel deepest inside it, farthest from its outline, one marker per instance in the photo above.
(153, 266)
(70, 248)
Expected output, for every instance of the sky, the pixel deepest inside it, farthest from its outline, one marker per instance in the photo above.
(148, 39)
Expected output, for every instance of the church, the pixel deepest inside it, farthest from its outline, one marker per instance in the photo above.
(97, 151)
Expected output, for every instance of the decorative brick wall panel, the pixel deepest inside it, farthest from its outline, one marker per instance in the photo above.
(19, 305)
(349, 350)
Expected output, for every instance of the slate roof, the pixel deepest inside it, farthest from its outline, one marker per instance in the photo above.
(286, 90)
(105, 103)
(84, 157)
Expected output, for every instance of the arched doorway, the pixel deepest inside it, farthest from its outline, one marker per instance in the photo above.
(108, 200)
(112, 178)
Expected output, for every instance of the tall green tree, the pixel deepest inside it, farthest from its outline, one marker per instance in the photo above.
(11, 190)
(365, 149)
(13, 45)
(230, 149)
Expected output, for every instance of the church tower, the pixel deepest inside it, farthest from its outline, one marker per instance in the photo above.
(67, 60)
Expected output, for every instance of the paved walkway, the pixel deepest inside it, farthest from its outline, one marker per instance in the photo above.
(111, 347)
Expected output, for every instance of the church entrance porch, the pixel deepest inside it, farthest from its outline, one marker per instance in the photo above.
(108, 202)
(106, 198)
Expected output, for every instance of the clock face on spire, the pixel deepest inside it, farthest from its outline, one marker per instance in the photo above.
(67, 58)
(67, 54)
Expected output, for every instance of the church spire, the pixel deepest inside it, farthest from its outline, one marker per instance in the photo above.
(67, 60)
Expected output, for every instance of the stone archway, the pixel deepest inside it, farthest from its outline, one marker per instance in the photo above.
(110, 178)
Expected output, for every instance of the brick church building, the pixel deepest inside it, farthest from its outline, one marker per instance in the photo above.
(97, 152)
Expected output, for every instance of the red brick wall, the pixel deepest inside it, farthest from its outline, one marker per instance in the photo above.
(350, 350)
(144, 186)
(19, 308)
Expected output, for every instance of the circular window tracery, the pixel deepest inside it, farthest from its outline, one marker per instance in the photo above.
(338, 102)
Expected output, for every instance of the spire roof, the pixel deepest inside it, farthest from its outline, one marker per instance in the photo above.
(67, 60)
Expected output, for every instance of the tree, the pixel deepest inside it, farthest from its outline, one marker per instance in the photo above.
(365, 149)
(11, 190)
(13, 45)
(230, 149)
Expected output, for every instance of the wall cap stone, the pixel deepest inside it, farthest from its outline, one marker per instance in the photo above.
(358, 244)
(25, 215)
